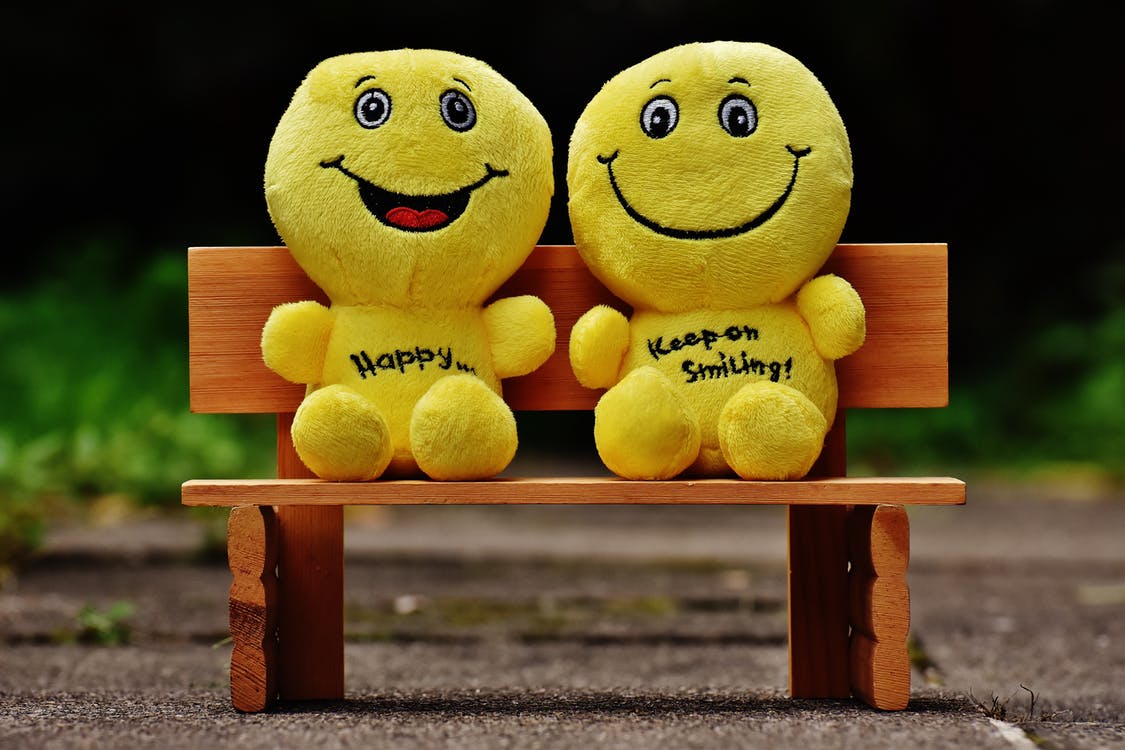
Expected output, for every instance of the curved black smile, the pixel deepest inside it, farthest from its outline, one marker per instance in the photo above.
(413, 213)
(705, 234)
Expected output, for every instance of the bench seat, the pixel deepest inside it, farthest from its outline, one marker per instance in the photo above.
(577, 491)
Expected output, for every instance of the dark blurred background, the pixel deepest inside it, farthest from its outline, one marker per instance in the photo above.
(135, 131)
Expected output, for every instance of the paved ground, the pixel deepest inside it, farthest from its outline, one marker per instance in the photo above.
(583, 627)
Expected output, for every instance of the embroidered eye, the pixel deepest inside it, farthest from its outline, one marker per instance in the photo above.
(659, 117)
(738, 116)
(457, 111)
(372, 108)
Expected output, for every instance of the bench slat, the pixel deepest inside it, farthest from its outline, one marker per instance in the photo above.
(231, 291)
(577, 491)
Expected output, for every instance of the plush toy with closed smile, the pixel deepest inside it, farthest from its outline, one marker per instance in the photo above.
(707, 186)
(409, 185)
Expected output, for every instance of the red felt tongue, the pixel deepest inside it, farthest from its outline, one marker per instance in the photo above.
(402, 216)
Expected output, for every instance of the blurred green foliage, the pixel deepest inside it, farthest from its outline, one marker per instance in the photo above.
(96, 395)
(1056, 405)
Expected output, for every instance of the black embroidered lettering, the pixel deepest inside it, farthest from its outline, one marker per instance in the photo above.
(713, 372)
(742, 364)
(363, 363)
(403, 358)
(689, 367)
(407, 360)
(705, 336)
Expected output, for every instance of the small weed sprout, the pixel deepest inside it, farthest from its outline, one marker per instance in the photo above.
(998, 709)
(105, 627)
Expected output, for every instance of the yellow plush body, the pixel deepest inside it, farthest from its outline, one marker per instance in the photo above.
(708, 185)
(409, 184)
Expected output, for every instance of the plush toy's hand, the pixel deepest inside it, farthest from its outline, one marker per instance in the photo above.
(598, 343)
(521, 331)
(835, 314)
(295, 340)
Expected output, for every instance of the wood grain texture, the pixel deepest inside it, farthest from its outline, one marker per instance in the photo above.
(879, 547)
(311, 615)
(252, 550)
(311, 578)
(568, 490)
(231, 291)
(818, 602)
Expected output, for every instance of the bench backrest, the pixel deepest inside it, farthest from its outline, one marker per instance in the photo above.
(231, 290)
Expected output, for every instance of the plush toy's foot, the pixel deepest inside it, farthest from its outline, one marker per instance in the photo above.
(771, 431)
(340, 435)
(644, 428)
(461, 429)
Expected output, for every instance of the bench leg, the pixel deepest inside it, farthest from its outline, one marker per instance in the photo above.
(311, 579)
(818, 602)
(879, 548)
(311, 612)
(252, 555)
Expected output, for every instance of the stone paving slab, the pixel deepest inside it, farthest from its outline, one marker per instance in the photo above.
(585, 627)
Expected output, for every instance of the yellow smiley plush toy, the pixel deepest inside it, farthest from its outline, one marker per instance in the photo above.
(408, 184)
(707, 186)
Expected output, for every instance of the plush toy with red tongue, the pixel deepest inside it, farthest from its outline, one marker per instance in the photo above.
(409, 185)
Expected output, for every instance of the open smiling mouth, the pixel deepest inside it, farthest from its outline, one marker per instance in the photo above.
(413, 213)
(705, 234)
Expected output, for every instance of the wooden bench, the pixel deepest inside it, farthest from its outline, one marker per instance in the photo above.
(849, 605)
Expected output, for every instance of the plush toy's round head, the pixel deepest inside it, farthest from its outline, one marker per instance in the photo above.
(711, 175)
(409, 178)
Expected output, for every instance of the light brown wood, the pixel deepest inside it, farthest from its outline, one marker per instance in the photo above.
(818, 602)
(311, 573)
(311, 615)
(904, 361)
(576, 491)
(880, 673)
(252, 554)
(879, 548)
(818, 658)
(231, 291)
(880, 540)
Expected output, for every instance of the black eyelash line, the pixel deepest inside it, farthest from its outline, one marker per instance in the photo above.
(705, 234)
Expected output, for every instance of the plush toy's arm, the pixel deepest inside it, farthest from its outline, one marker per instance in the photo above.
(521, 331)
(295, 340)
(835, 314)
(598, 343)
